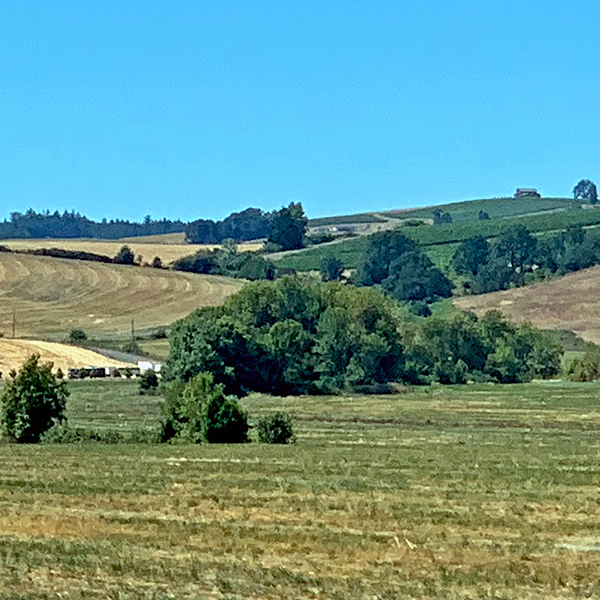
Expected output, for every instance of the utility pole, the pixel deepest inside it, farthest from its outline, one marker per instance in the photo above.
(132, 331)
(14, 323)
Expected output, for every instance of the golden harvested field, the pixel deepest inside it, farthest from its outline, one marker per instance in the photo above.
(13, 354)
(51, 296)
(148, 249)
(571, 302)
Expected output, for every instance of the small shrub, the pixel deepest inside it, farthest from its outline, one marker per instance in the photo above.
(148, 382)
(199, 411)
(33, 401)
(132, 347)
(77, 335)
(276, 429)
(159, 334)
(63, 434)
(125, 256)
(586, 368)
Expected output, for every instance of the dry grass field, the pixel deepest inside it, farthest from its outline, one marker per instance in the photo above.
(570, 302)
(13, 354)
(147, 247)
(51, 296)
(472, 492)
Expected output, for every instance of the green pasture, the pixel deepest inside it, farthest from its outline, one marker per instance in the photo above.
(477, 491)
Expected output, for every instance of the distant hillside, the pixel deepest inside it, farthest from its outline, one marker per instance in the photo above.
(51, 296)
(570, 302)
(466, 210)
(440, 241)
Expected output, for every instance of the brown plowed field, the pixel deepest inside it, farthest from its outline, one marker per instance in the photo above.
(571, 302)
(13, 354)
(51, 296)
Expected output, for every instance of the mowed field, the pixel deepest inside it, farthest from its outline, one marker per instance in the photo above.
(162, 246)
(570, 302)
(13, 353)
(51, 296)
(479, 492)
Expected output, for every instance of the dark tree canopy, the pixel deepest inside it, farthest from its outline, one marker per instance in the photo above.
(413, 278)
(440, 217)
(332, 268)
(289, 227)
(586, 190)
(73, 225)
(471, 255)
(250, 224)
(125, 256)
(383, 249)
(394, 261)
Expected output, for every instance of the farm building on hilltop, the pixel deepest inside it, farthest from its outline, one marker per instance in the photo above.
(527, 193)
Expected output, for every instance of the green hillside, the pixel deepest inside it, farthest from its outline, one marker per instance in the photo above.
(497, 208)
(466, 210)
(439, 241)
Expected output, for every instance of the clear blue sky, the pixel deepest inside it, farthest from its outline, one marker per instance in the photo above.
(190, 109)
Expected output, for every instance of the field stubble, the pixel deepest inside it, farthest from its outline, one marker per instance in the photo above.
(51, 296)
(462, 492)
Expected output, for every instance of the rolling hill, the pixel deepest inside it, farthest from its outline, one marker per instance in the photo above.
(570, 302)
(51, 296)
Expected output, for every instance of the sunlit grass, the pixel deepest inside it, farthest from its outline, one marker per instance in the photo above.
(461, 492)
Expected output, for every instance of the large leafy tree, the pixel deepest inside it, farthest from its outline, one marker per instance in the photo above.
(289, 227)
(413, 277)
(586, 190)
(517, 248)
(383, 249)
(34, 400)
(471, 255)
(394, 261)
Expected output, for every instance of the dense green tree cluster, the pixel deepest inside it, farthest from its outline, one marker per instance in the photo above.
(463, 347)
(508, 260)
(250, 224)
(291, 336)
(396, 263)
(298, 335)
(228, 261)
(73, 225)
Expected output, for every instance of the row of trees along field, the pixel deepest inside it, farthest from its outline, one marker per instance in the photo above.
(33, 225)
(297, 335)
(516, 257)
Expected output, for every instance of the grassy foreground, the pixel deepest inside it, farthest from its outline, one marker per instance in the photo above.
(458, 492)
